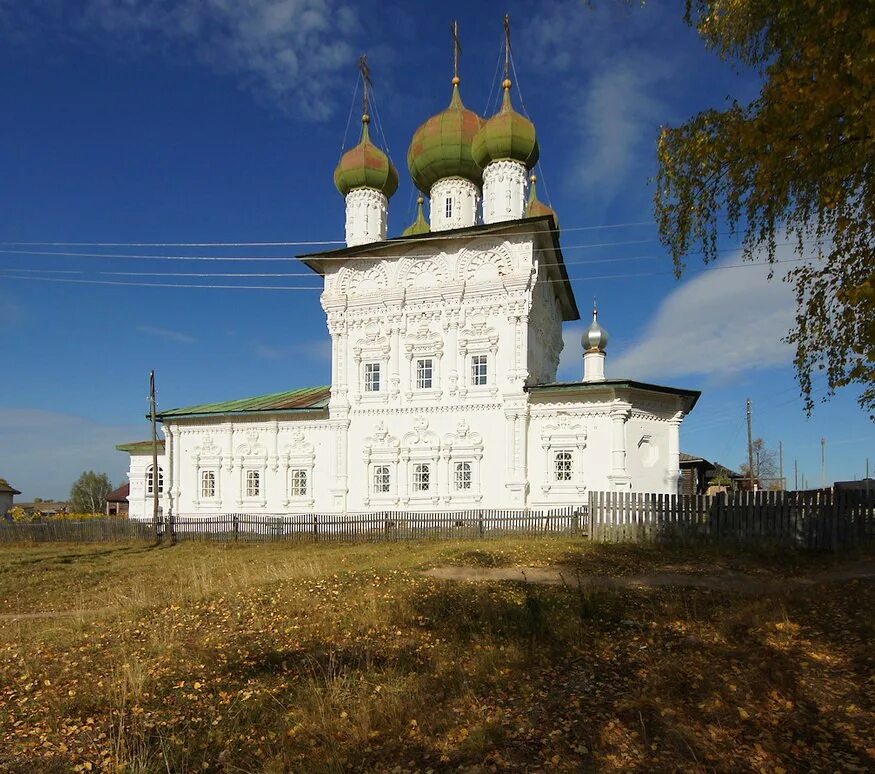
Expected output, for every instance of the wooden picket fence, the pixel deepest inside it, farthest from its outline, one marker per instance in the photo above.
(820, 520)
(311, 527)
(375, 526)
(102, 530)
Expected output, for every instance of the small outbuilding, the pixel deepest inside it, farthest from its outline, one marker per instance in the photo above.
(117, 501)
(7, 492)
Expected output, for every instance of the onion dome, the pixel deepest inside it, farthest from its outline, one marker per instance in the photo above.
(420, 225)
(535, 207)
(441, 147)
(596, 337)
(366, 166)
(507, 135)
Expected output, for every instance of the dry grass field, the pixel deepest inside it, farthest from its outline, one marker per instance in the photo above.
(316, 658)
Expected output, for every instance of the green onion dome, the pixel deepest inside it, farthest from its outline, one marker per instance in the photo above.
(441, 147)
(366, 166)
(535, 208)
(420, 225)
(507, 135)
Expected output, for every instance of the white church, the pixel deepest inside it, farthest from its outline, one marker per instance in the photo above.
(445, 345)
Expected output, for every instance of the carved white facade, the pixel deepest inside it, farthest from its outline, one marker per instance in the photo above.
(442, 396)
(367, 216)
(505, 183)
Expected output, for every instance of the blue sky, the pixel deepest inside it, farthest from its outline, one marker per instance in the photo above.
(152, 121)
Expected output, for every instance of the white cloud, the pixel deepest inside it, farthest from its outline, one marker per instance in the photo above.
(43, 452)
(616, 127)
(165, 333)
(318, 349)
(284, 51)
(718, 324)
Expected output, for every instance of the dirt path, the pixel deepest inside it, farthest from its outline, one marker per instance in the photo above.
(723, 581)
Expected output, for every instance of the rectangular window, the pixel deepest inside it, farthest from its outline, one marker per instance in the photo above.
(381, 479)
(421, 478)
(372, 377)
(299, 483)
(253, 483)
(562, 466)
(478, 370)
(208, 484)
(424, 374)
(449, 207)
(463, 476)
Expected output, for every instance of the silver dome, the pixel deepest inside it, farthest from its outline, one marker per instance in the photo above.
(595, 337)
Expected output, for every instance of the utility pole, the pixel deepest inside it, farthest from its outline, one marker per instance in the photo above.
(155, 476)
(781, 464)
(749, 448)
(823, 463)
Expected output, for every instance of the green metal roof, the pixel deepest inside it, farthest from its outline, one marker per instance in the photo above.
(140, 447)
(366, 166)
(441, 147)
(420, 225)
(507, 135)
(303, 399)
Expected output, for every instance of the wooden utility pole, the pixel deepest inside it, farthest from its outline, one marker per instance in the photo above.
(781, 464)
(155, 476)
(749, 447)
(823, 463)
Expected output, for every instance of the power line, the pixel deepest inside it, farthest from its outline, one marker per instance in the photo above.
(9, 274)
(269, 258)
(394, 241)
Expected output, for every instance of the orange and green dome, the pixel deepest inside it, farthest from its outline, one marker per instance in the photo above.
(420, 225)
(535, 207)
(507, 135)
(441, 147)
(366, 166)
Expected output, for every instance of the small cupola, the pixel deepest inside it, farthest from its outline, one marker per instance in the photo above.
(420, 225)
(594, 342)
(506, 148)
(441, 163)
(366, 178)
(535, 208)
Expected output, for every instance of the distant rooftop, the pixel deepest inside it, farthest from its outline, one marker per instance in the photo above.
(140, 447)
(5, 488)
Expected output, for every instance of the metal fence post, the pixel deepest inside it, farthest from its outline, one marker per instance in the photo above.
(235, 520)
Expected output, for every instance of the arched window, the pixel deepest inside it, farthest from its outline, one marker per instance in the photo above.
(299, 483)
(150, 480)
